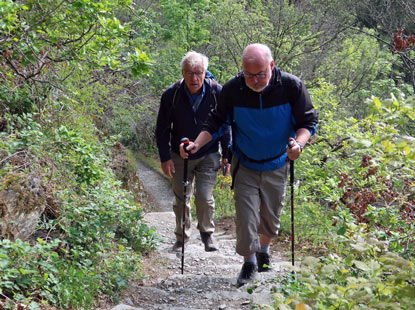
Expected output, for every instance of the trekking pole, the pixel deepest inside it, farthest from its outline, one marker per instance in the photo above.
(290, 145)
(185, 142)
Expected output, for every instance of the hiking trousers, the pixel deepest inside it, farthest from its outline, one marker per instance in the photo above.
(201, 174)
(259, 197)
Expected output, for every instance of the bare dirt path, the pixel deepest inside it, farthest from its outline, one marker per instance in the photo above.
(157, 187)
(209, 278)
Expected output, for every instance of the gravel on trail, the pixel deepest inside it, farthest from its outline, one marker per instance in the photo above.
(209, 278)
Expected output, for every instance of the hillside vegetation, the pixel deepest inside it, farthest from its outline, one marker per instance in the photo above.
(80, 82)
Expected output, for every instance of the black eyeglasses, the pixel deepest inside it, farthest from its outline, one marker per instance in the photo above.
(259, 76)
(191, 74)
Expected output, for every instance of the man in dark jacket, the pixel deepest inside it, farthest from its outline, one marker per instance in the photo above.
(267, 108)
(184, 108)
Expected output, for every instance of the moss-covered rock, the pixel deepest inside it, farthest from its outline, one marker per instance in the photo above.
(22, 202)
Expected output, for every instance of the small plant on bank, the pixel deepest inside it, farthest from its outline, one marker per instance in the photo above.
(224, 203)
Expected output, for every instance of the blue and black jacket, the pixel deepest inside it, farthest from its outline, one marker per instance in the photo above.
(176, 119)
(262, 123)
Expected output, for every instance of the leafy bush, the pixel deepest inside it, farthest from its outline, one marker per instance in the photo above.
(359, 273)
(92, 243)
(357, 170)
(355, 193)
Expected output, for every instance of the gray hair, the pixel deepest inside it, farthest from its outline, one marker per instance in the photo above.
(263, 47)
(194, 59)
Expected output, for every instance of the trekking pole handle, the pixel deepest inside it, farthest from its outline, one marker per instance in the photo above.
(185, 142)
(291, 143)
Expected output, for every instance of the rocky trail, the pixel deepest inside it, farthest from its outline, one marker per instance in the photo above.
(209, 278)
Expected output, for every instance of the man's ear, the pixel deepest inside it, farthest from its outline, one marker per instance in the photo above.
(272, 64)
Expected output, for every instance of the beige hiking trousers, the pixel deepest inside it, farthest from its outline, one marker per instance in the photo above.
(201, 174)
(259, 197)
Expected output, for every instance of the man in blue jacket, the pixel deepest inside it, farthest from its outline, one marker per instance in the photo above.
(184, 108)
(266, 107)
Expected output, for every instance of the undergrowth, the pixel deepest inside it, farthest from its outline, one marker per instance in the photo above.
(90, 244)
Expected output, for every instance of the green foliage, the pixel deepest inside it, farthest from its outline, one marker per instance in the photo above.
(24, 266)
(386, 18)
(9, 16)
(359, 273)
(18, 101)
(181, 26)
(66, 30)
(236, 24)
(316, 171)
(355, 64)
(355, 192)
(77, 155)
(95, 216)
(224, 203)
(72, 66)
(135, 125)
(41, 272)
(47, 38)
(99, 226)
(186, 22)
(357, 166)
(295, 34)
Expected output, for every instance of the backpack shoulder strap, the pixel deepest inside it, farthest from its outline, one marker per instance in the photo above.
(176, 86)
(214, 90)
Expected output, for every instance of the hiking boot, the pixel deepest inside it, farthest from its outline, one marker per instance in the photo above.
(247, 274)
(263, 260)
(208, 242)
(177, 246)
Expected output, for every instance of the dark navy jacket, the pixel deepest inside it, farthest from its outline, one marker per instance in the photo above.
(262, 123)
(174, 123)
